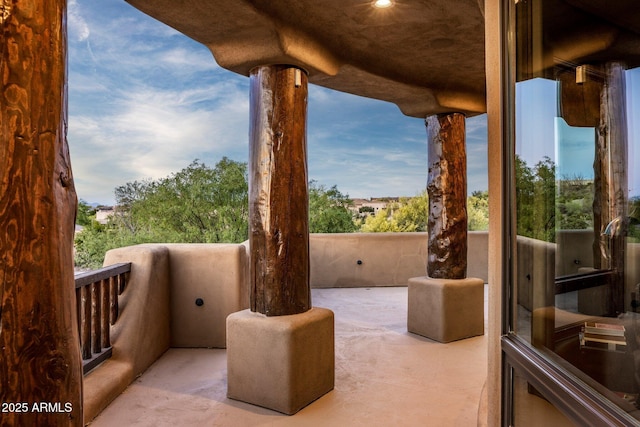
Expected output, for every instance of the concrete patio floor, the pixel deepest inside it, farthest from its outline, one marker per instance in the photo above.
(384, 376)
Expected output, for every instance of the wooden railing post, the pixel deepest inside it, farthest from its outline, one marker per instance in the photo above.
(105, 324)
(86, 322)
(97, 308)
(113, 300)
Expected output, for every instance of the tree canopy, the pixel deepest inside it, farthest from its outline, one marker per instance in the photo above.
(408, 214)
(200, 204)
(329, 210)
(195, 205)
(536, 199)
(478, 211)
(84, 213)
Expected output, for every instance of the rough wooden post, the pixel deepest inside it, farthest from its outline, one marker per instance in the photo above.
(40, 364)
(446, 305)
(279, 259)
(610, 182)
(278, 191)
(447, 191)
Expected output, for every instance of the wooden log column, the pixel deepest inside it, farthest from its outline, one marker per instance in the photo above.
(278, 191)
(40, 364)
(610, 209)
(281, 331)
(446, 305)
(447, 191)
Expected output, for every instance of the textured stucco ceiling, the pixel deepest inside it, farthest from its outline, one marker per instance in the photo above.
(425, 56)
(593, 31)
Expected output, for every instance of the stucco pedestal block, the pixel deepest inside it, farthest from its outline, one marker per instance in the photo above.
(281, 362)
(446, 310)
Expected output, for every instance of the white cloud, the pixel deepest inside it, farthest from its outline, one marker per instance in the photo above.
(152, 133)
(145, 101)
(77, 26)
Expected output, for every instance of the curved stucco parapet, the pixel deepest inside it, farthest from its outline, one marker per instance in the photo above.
(141, 333)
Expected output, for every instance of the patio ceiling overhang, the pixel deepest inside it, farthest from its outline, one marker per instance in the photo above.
(426, 57)
(577, 32)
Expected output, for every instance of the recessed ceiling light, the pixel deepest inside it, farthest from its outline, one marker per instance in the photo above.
(382, 4)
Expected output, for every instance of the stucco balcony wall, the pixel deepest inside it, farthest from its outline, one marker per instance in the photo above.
(141, 334)
(213, 275)
(540, 262)
(386, 259)
(158, 309)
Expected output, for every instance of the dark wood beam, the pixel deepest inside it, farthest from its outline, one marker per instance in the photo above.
(40, 364)
(447, 191)
(278, 191)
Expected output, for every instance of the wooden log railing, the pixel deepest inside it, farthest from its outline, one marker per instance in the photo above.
(97, 294)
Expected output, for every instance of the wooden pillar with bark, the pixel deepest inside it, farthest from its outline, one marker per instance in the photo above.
(40, 360)
(446, 305)
(610, 208)
(281, 330)
(278, 191)
(447, 191)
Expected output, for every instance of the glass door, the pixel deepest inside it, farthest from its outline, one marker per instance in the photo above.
(575, 270)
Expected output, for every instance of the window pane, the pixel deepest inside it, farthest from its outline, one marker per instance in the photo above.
(577, 257)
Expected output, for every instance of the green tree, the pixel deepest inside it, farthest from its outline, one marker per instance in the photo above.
(93, 242)
(329, 210)
(85, 214)
(196, 205)
(406, 215)
(634, 220)
(412, 213)
(544, 209)
(366, 210)
(381, 222)
(574, 204)
(536, 199)
(478, 211)
(524, 201)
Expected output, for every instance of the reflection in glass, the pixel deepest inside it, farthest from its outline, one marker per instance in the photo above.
(531, 409)
(576, 270)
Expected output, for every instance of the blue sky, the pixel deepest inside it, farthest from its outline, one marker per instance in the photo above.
(540, 133)
(145, 101)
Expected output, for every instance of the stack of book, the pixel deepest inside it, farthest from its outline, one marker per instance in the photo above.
(605, 336)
